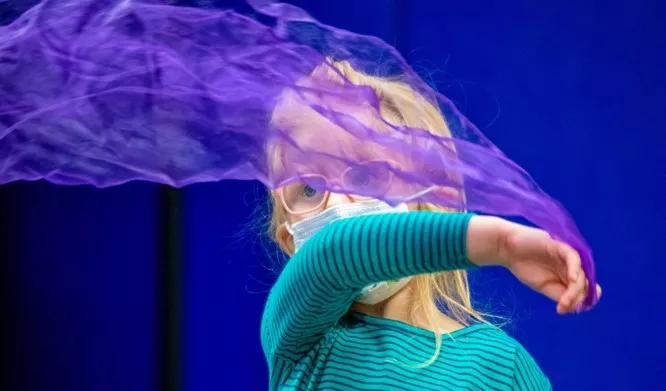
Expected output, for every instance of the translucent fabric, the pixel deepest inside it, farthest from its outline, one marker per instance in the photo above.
(105, 92)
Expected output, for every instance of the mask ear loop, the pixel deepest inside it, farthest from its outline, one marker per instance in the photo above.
(288, 227)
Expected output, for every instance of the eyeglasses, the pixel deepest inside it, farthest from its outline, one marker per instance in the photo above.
(310, 194)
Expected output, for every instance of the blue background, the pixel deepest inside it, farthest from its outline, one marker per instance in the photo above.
(574, 92)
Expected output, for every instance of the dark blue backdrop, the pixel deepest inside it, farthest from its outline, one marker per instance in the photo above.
(573, 91)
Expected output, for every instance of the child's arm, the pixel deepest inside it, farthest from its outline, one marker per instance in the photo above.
(321, 281)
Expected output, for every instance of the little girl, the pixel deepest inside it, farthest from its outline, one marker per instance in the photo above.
(375, 297)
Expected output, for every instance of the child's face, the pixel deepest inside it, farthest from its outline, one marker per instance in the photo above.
(320, 146)
(311, 133)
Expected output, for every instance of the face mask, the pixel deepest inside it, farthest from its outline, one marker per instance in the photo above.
(304, 229)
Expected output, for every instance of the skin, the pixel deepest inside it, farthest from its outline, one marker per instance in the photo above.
(546, 265)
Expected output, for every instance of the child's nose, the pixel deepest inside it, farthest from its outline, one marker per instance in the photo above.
(338, 198)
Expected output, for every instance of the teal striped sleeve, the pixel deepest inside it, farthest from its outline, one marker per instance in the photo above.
(320, 282)
(527, 375)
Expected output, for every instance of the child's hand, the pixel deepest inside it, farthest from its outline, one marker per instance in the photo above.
(539, 261)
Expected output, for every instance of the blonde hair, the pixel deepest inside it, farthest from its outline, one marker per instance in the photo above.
(401, 106)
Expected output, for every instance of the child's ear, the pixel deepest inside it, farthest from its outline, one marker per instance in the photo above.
(285, 240)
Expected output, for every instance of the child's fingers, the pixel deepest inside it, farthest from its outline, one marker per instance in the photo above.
(575, 277)
(581, 295)
(571, 258)
(580, 290)
(573, 290)
(553, 291)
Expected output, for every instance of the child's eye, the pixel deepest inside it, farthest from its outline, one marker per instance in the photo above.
(309, 191)
(361, 179)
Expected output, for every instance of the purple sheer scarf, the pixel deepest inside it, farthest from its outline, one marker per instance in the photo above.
(106, 92)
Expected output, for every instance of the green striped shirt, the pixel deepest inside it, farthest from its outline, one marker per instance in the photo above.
(313, 342)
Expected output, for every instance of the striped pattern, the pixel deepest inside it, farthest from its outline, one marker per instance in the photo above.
(312, 342)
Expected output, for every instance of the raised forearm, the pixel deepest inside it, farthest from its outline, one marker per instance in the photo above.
(485, 235)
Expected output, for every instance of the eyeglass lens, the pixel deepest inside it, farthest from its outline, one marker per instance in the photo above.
(309, 193)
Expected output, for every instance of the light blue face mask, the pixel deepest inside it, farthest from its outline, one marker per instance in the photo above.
(306, 228)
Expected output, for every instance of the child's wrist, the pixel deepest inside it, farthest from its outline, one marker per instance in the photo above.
(485, 235)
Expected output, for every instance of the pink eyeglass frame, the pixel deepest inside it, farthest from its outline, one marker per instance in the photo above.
(328, 192)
